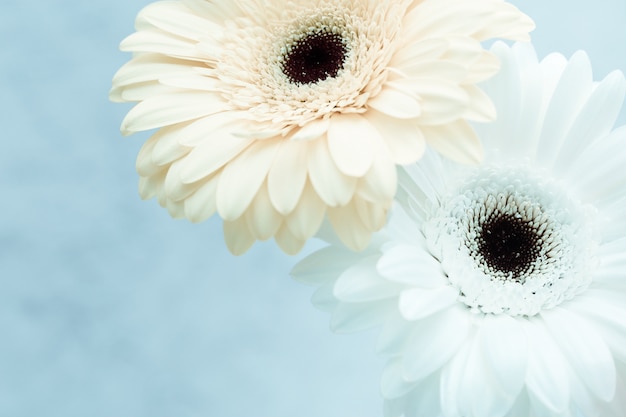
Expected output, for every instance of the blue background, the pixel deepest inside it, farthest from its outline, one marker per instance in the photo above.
(109, 308)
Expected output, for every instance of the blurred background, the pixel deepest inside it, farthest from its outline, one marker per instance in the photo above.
(108, 307)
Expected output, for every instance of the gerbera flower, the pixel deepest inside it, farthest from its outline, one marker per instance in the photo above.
(501, 288)
(278, 113)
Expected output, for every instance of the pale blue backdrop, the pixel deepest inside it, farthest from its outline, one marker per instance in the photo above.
(108, 308)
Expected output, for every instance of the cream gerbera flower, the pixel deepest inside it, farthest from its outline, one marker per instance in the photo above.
(277, 113)
(502, 287)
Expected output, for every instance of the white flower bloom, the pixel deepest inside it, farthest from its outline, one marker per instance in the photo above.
(279, 113)
(501, 287)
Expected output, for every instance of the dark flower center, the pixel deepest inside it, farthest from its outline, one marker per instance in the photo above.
(314, 58)
(508, 244)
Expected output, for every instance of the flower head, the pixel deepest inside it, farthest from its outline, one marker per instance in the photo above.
(277, 113)
(501, 287)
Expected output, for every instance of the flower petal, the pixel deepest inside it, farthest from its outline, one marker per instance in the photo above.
(334, 187)
(287, 176)
(351, 143)
(242, 177)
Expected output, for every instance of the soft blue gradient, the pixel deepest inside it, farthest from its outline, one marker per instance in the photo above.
(109, 308)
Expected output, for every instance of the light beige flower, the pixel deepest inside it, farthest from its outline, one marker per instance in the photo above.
(278, 113)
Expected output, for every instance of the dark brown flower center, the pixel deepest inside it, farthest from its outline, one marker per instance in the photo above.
(314, 58)
(508, 244)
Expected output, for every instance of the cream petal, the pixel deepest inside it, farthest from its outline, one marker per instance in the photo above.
(167, 149)
(417, 303)
(287, 241)
(287, 176)
(306, 218)
(218, 149)
(421, 50)
(156, 41)
(403, 138)
(481, 109)
(311, 130)
(441, 100)
(480, 19)
(198, 131)
(380, 182)
(396, 103)
(145, 68)
(349, 227)
(334, 187)
(145, 165)
(152, 186)
(373, 215)
(242, 177)
(457, 141)
(202, 204)
(351, 143)
(175, 18)
(176, 209)
(262, 219)
(237, 236)
(168, 109)
(174, 188)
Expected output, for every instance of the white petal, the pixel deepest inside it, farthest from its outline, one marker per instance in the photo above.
(242, 177)
(324, 265)
(505, 349)
(435, 340)
(394, 335)
(352, 141)
(572, 91)
(411, 265)
(334, 187)
(287, 176)
(585, 349)
(392, 384)
(481, 109)
(361, 283)
(417, 303)
(595, 119)
(547, 378)
(354, 317)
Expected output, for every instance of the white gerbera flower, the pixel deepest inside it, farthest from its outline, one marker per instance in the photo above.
(502, 287)
(277, 113)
